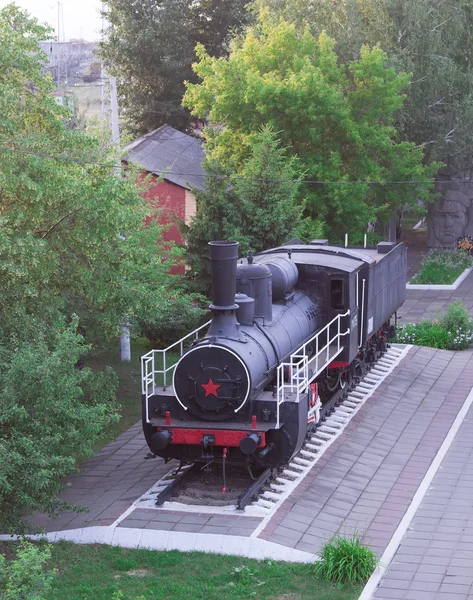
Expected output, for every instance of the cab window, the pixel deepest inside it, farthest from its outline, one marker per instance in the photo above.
(337, 294)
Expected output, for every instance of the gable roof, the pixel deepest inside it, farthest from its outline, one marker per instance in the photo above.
(167, 149)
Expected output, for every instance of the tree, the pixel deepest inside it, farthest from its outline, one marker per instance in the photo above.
(432, 39)
(256, 206)
(72, 242)
(338, 119)
(149, 47)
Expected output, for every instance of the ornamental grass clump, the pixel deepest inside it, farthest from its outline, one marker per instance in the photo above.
(443, 267)
(345, 561)
(452, 331)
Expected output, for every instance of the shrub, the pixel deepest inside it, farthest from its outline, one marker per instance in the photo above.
(345, 561)
(26, 578)
(453, 331)
(443, 267)
(456, 317)
(172, 322)
(51, 413)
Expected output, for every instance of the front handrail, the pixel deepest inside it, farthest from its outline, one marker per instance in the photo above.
(151, 362)
(301, 369)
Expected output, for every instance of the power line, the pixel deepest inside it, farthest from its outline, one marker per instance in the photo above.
(240, 178)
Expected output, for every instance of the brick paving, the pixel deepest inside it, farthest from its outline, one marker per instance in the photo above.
(366, 480)
(108, 483)
(194, 522)
(435, 558)
(422, 304)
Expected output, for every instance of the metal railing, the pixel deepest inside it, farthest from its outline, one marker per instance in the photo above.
(295, 376)
(157, 362)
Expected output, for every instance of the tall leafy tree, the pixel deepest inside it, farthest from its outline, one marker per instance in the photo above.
(72, 242)
(256, 206)
(149, 46)
(337, 119)
(432, 39)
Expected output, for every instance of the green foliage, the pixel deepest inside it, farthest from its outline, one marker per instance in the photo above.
(25, 578)
(72, 234)
(443, 267)
(452, 331)
(72, 242)
(338, 119)
(149, 47)
(345, 561)
(429, 38)
(41, 385)
(256, 205)
(172, 322)
(98, 572)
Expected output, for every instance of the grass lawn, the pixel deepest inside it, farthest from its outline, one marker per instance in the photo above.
(109, 573)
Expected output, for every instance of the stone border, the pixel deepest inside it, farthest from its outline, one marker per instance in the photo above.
(434, 286)
(176, 540)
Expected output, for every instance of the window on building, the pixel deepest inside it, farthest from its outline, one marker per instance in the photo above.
(337, 294)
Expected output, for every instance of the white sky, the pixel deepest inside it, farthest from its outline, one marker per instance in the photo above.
(81, 17)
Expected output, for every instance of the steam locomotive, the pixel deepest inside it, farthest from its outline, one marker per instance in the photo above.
(290, 328)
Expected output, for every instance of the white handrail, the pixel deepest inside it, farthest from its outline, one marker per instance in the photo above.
(154, 358)
(302, 369)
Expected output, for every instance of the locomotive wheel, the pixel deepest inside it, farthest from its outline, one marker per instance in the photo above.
(333, 382)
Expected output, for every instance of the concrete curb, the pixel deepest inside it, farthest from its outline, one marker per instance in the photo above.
(176, 540)
(453, 286)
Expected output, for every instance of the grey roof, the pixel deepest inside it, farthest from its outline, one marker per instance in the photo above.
(335, 257)
(167, 149)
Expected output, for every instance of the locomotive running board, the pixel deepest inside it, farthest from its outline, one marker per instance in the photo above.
(302, 369)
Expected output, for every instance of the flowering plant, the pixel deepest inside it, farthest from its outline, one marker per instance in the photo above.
(453, 331)
(465, 242)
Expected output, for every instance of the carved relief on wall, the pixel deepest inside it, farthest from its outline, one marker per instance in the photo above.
(451, 216)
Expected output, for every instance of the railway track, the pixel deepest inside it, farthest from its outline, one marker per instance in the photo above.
(194, 488)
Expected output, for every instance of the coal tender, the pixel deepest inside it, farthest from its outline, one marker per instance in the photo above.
(224, 403)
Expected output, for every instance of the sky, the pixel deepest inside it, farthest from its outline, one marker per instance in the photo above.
(81, 17)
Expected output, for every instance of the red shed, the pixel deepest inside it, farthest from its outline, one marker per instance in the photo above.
(178, 158)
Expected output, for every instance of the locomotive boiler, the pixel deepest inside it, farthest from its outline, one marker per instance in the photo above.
(290, 326)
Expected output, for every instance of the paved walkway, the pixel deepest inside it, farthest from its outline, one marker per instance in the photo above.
(421, 304)
(368, 477)
(108, 483)
(435, 558)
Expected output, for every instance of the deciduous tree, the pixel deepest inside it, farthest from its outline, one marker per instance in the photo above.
(337, 119)
(72, 242)
(432, 39)
(149, 47)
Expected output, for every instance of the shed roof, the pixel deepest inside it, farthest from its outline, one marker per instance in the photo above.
(167, 149)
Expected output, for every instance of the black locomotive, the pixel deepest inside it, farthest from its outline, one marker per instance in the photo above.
(290, 326)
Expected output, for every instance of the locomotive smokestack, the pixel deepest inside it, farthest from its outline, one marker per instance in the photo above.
(223, 263)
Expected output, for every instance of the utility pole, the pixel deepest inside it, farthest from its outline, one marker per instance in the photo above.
(124, 342)
(125, 348)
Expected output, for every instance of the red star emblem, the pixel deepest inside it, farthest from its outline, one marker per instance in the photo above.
(210, 388)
